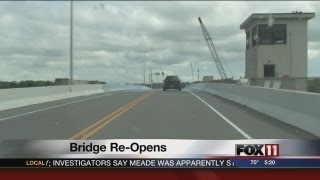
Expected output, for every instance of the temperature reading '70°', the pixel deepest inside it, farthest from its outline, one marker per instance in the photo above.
(254, 162)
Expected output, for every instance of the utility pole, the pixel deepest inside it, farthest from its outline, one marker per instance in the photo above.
(198, 75)
(198, 54)
(71, 43)
(192, 73)
(150, 72)
(290, 55)
(144, 69)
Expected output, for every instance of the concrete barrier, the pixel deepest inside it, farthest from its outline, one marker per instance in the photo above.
(122, 87)
(19, 97)
(87, 89)
(300, 109)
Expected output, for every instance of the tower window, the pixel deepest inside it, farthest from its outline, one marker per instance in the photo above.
(279, 34)
(254, 36)
(247, 39)
(274, 34)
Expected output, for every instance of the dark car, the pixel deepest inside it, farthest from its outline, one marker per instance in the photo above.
(172, 82)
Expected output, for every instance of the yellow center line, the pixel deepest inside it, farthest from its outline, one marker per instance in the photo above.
(95, 127)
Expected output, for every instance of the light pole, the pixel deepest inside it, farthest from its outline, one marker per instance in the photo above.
(71, 43)
(150, 75)
(144, 69)
(144, 65)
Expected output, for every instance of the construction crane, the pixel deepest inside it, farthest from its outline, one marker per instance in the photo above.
(213, 51)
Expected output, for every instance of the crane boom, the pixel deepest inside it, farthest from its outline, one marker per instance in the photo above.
(213, 50)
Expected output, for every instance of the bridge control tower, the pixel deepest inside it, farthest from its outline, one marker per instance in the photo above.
(277, 49)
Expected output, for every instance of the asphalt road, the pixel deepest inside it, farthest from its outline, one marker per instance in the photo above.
(147, 114)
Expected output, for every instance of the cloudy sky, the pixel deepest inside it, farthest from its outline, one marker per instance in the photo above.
(110, 37)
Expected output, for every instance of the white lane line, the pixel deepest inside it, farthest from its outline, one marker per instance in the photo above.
(52, 107)
(222, 116)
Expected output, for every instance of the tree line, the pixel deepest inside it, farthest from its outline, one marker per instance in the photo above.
(31, 83)
(22, 84)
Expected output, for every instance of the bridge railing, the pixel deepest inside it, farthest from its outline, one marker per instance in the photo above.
(19, 97)
(300, 109)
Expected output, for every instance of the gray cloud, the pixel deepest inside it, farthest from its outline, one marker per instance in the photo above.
(110, 37)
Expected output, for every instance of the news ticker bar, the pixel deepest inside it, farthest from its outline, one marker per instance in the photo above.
(160, 163)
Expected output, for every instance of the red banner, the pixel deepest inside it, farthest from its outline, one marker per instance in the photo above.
(177, 174)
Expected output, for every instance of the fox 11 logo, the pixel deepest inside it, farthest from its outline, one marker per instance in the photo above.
(257, 150)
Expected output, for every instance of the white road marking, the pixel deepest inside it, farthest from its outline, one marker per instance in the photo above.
(56, 106)
(222, 116)
(173, 94)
